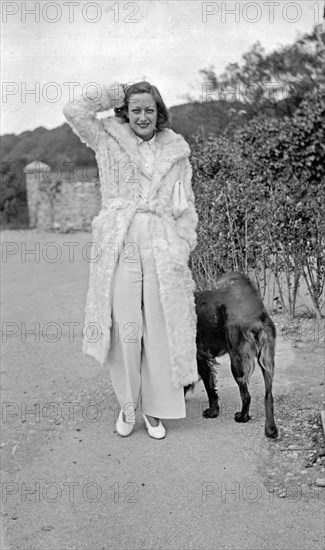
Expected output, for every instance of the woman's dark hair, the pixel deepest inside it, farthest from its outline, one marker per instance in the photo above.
(144, 88)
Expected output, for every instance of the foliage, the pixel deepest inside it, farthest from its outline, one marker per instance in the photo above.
(230, 235)
(261, 201)
(13, 199)
(273, 83)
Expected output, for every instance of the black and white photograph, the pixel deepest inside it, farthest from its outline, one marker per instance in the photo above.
(162, 216)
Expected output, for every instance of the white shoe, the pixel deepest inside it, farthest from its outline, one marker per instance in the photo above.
(123, 428)
(157, 432)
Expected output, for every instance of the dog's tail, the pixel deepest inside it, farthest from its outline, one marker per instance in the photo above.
(259, 339)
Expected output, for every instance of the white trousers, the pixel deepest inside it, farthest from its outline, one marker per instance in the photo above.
(139, 359)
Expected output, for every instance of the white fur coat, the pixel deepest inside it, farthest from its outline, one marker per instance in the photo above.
(174, 234)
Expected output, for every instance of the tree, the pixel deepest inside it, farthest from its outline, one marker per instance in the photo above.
(274, 83)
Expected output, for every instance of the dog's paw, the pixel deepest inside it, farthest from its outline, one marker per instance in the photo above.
(239, 417)
(271, 431)
(211, 412)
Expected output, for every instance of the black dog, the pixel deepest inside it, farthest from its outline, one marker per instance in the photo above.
(232, 319)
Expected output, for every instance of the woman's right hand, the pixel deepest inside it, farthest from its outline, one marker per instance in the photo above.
(116, 92)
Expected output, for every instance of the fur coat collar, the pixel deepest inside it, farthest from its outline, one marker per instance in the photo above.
(170, 148)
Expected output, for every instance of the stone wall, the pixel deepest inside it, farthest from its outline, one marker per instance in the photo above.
(62, 199)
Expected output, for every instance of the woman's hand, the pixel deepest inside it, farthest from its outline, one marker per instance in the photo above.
(117, 95)
(125, 87)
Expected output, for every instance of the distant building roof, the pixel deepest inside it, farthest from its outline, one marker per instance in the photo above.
(36, 166)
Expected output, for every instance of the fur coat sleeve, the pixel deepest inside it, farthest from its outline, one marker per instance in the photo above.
(81, 113)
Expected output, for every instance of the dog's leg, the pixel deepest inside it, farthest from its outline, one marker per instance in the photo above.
(207, 370)
(265, 341)
(188, 388)
(270, 427)
(238, 374)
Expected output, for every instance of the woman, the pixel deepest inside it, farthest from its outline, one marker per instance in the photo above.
(140, 312)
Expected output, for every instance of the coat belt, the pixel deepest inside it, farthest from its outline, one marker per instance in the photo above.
(141, 206)
(157, 209)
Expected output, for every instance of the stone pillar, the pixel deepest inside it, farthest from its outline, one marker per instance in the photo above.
(36, 173)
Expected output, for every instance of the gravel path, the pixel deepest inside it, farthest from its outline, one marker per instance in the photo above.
(70, 482)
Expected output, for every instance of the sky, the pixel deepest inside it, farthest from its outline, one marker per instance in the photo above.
(57, 49)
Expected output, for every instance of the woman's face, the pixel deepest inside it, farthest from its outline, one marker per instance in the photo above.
(142, 113)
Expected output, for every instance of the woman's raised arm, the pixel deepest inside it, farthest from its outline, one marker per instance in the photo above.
(81, 113)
